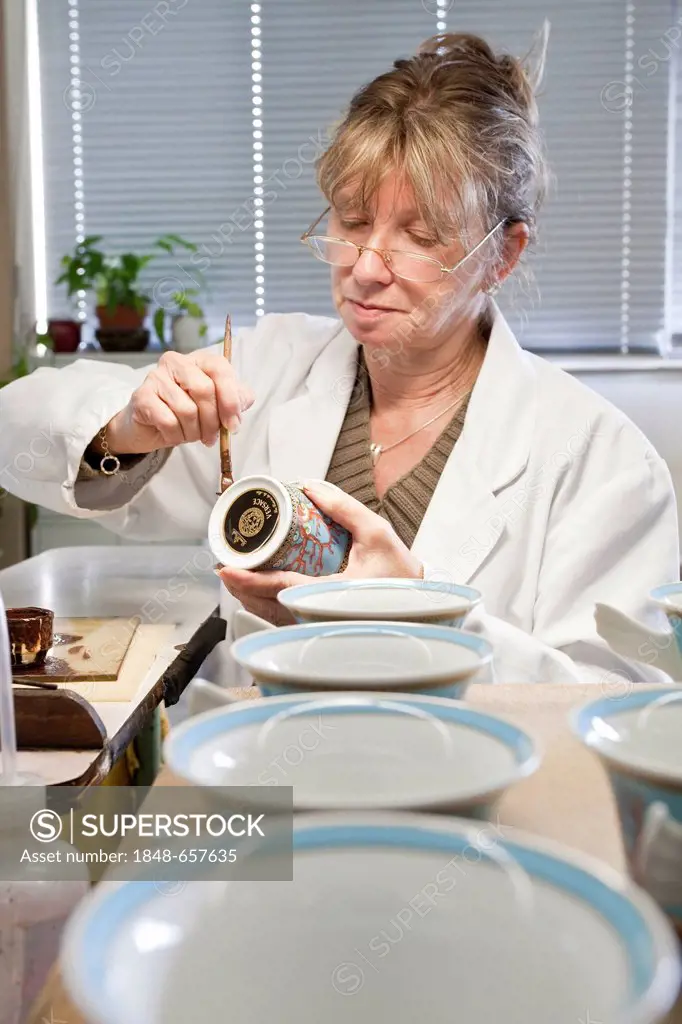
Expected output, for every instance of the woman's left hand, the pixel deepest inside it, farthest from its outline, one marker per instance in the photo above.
(377, 551)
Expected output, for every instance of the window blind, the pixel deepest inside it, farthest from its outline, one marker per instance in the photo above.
(676, 274)
(599, 269)
(204, 118)
(163, 135)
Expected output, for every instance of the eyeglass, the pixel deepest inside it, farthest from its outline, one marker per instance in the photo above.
(410, 266)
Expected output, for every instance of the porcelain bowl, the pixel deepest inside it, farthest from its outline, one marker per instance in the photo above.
(639, 741)
(396, 600)
(395, 656)
(389, 917)
(356, 751)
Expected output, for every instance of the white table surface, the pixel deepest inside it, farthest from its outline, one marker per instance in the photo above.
(159, 583)
(107, 581)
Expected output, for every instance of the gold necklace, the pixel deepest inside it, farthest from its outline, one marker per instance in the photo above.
(376, 450)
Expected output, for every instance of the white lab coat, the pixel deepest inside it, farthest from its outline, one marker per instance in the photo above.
(551, 500)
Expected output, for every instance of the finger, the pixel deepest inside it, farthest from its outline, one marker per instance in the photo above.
(264, 609)
(265, 584)
(342, 508)
(246, 397)
(271, 611)
(201, 389)
(151, 411)
(227, 388)
(184, 407)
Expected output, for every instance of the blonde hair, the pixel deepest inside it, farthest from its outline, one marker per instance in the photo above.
(456, 121)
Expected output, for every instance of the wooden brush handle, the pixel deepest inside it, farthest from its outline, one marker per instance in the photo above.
(226, 477)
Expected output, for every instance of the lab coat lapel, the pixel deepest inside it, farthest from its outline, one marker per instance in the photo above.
(465, 521)
(302, 432)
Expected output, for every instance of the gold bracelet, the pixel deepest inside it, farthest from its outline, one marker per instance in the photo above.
(109, 463)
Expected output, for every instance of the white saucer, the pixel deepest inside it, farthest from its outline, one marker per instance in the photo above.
(355, 751)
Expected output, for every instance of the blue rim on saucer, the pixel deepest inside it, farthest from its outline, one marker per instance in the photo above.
(242, 651)
(583, 721)
(93, 935)
(660, 596)
(188, 738)
(469, 597)
(662, 593)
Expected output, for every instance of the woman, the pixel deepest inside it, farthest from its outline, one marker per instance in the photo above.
(447, 450)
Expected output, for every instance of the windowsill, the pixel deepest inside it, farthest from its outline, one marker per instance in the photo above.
(590, 362)
(612, 363)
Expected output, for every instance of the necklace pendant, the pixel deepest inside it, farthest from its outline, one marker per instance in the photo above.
(375, 451)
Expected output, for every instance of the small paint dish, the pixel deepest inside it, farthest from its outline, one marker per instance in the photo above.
(31, 635)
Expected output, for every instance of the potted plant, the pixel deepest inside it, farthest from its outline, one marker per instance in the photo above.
(188, 326)
(64, 335)
(121, 304)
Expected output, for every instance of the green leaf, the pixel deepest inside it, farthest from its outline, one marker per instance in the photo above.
(95, 264)
(159, 324)
(183, 242)
(131, 265)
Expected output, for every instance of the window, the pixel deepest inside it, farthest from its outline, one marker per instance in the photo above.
(676, 181)
(204, 117)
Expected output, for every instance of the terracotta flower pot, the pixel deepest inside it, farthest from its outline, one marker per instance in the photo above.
(123, 318)
(65, 334)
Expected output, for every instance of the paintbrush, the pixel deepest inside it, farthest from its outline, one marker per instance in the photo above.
(18, 681)
(226, 478)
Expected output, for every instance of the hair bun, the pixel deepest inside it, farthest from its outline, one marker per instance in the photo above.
(522, 76)
(450, 45)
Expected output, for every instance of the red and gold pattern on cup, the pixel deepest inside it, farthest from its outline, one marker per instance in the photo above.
(260, 523)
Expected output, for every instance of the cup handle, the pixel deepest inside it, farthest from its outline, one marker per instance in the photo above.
(658, 854)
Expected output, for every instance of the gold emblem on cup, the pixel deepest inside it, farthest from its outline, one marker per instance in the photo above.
(251, 522)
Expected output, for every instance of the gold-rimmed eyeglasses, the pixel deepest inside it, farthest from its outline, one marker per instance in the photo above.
(411, 266)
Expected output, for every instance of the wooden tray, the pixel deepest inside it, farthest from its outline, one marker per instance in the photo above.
(84, 650)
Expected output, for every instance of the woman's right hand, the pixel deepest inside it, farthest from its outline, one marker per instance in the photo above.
(183, 398)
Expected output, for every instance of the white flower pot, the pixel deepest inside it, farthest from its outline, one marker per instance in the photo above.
(186, 335)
